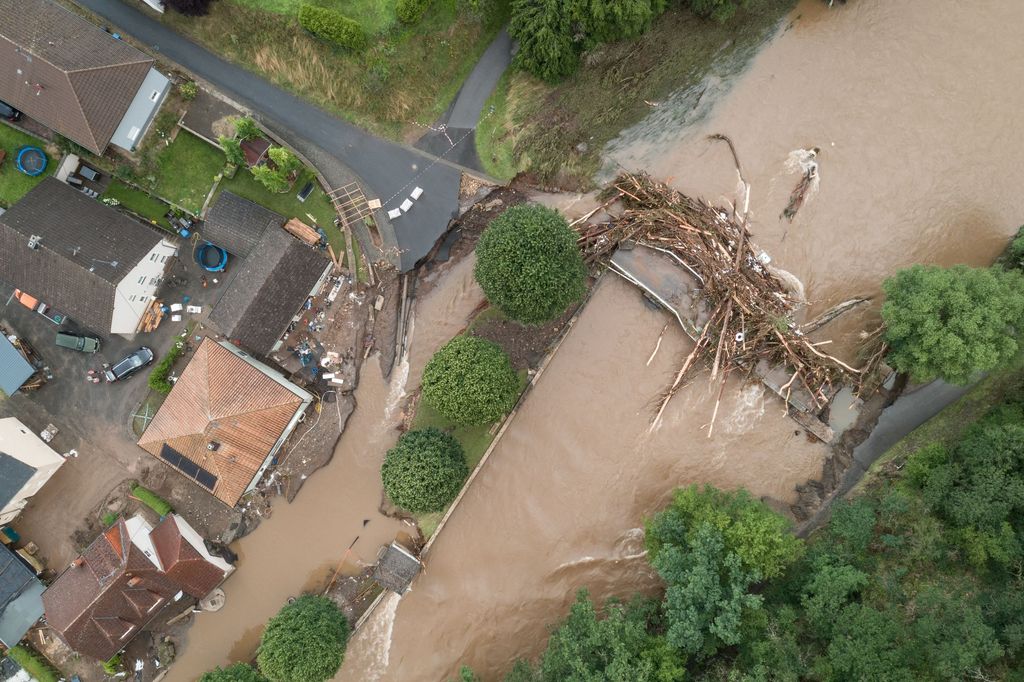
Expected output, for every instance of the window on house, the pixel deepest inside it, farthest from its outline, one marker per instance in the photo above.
(163, 259)
(154, 281)
(142, 280)
(132, 299)
(133, 134)
(152, 257)
(155, 96)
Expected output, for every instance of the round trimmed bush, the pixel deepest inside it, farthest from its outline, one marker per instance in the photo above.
(424, 471)
(470, 381)
(304, 642)
(528, 264)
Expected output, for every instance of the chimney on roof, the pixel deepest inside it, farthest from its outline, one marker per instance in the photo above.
(78, 563)
(33, 241)
(132, 582)
(213, 446)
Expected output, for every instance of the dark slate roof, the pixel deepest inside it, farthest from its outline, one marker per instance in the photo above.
(237, 224)
(14, 368)
(269, 287)
(14, 474)
(107, 595)
(396, 568)
(20, 602)
(75, 78)
(78, 233)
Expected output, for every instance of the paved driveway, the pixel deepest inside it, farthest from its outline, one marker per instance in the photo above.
(388, 171)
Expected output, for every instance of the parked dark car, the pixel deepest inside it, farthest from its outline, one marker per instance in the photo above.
(80, 342)
(129, 365)
(9, 112)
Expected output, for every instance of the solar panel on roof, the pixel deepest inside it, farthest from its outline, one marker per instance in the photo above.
(188, 467)
(206, 479)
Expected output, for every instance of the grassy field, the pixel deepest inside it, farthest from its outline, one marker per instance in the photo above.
(373, 15)
(186, 169)
(13, 184)
(139, 203)
(557, 132)
(407, 76)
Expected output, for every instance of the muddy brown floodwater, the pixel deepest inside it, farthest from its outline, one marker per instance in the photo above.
(914, 108)
(302, 544)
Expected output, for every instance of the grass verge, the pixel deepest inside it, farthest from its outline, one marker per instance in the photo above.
(138, 202)
(186, 170)
(35, 664)
(14, 184)
(408, 75)
(558, 132)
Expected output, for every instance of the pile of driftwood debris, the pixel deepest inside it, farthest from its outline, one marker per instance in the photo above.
(748, 314)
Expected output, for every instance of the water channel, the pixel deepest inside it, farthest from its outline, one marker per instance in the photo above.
(914, 109)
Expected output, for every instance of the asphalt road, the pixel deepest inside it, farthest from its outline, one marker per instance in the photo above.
(387, 171)
(454, 134)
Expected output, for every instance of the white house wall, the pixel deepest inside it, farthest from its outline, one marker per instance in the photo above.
(17, 441)
(138, 287)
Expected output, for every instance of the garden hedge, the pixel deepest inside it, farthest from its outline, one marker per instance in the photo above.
(152, 500)
(470, 381)
(424, 471)
(333, 26)
(411, 11)
(34, 664)
(158, 376)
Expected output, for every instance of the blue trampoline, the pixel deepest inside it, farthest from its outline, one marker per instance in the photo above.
(31, 161)
(211, 257)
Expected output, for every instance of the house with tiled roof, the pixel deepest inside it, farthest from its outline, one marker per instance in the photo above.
(83, 258)
(225, 420)
(74, 77)
(26, 464)
(123, 579)
(236, 224)
(21, 605)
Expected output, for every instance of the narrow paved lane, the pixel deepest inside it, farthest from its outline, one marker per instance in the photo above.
(388, 171)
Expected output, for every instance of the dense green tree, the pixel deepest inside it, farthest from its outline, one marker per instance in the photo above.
(950, 323)
(614, 645)
(424, 471)
(232, 150)
(759, 536)
(707, 594)
(528, 264)
(548, 47)
(868, 645)
(470, 381)
(270, 178)
(237, 672)
(285, 162)
(827, 593)
(246, 128)
(304, 642)
(776, 655)
(950, 637)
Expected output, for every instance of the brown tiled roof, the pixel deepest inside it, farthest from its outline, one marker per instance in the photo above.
(268, 290)
(78, 234)
(66, 72)
(106, 596)
(220, 398)
(237, 224)
(182, 562)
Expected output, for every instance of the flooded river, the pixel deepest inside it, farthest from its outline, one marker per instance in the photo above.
(302, 544)
(913, 106)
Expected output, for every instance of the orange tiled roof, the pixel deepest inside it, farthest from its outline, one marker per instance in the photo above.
(221, 398)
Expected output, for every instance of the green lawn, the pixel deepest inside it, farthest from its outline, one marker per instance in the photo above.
(139, 203)
(186, 169)
(493, 145)
(317, 204)
(15, 185)
(373, 15)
